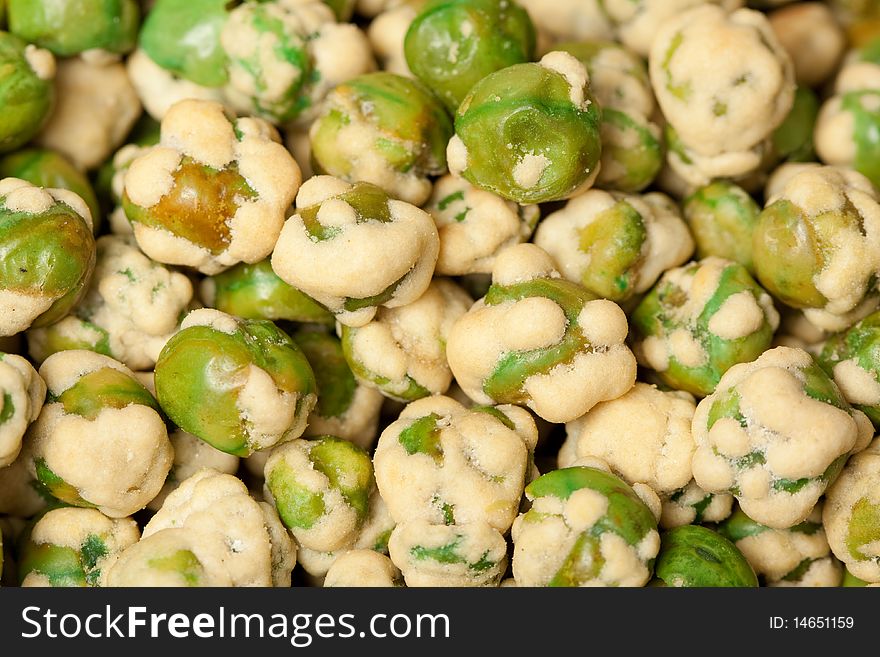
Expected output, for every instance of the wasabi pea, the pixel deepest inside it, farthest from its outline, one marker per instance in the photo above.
(695, 556)
(452, 44)
(700, 320)
(384, 129)
(74, 547)
(586, 527)
(241, 385)
(538, 340)
(321, 489)
(529, 132)
(722, 217)
(47, 253)
(22, 392)
(775, 433)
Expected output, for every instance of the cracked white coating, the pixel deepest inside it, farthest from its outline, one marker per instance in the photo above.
(22, 392)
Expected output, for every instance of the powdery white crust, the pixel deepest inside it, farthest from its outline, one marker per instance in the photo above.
(386, 34)
(42, 62)
(97, 107)
(475, 542)
(71, 527)
(645, 436)
(480, 472)
(638, 22)
(604, 370)
(619, 80)
(668, 242)
(159, 89)
(542, 544)
(358, 423)
(813, 39)
(24, 391)
(851, 263)
(239, 536)
(18, 497)
(135, 300)
(797, 436)
(575, 75)
(407, 343)
(774, 553)
(475, 225)
(682, 509)
(338, 525)
(724, 83)
(363, 568)
(200, 130)
(568, 20)
(363, 260)
(191, 454)
(858, 484)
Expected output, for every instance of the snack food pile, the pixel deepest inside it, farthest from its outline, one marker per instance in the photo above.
(439, 293)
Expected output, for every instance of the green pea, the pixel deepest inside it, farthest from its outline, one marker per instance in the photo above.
(793, 139)
(183, 36)
(26, 99)
(523, 138)
(50, 255)
(452, 44)
(342, 9)
(632, 151)
(255, 292)
(722, 217)
(850, 580)
(104, 388)
(69, 27)
(866, 131)
(46, 168)
(696, 556)
(70, 333)
(201, 371)
(862, 344)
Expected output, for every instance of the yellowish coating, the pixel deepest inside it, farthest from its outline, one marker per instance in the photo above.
(387, 32)
(568, 20)
(159, 89)
(798, 436)
(681, 511)
(813, 39)
(645, 436)
(242, 540)
(24, 389)
(363, 568)
(478, 477)
(87, 453)
(857, 485)
(97, 107)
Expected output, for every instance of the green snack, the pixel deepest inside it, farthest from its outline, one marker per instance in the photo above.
(852, 359)
(584, 525)
(383, 129)
(531, 322)
(722, 217)
(255, 292)
(27, 94)
(47, 168)
(793, 139)
(692, 505)
(700, 320)
(448, 555)
(321, 489)
(169, 558)
(240, 385)
(452, 44)
(798, 556)
(814, 251)
(47, 254)
(695, 556)
(850, 580)
(73, 547)
(616, 245)
(183, 36)
(69, 27)
(96, 416)
(342, 9)
(775, 433)
(851, 515)
(22, 393)
(529, 132)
